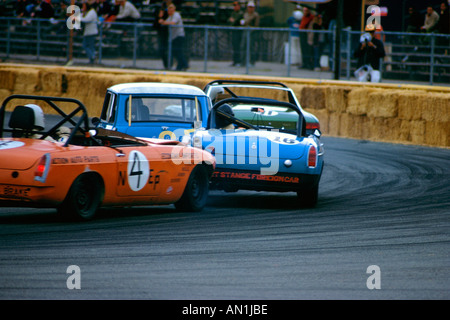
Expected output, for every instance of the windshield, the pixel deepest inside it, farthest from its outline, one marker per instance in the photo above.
(162, 109)
(263, 116)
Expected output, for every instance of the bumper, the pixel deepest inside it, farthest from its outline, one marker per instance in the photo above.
(28, 196)
(233, 180)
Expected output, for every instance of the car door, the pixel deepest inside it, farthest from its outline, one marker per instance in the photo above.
(141, 172)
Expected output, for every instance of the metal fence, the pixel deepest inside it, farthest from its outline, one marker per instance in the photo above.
(410, 56)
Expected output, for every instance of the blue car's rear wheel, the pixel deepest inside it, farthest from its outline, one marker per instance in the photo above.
(308, 197)
(196, 192)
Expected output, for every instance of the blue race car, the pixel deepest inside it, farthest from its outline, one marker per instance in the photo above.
(154, 110)
(262, 144)
(220, 89)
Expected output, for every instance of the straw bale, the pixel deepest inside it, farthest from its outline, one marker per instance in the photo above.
(353, 126)
(358, 99)
(417, 131)
(410, 105)
(51, 81)
(437, 133)
(26, 81)
(7, 79)
(313, 97)
(4, 93)
(334, 123)
(384, 129)
(336, 98)
(437, 108)
(383, 104)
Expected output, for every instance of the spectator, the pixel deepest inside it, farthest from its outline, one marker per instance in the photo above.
(127, 12)
(104, 9)
(44, 10)
(415, 20)
(89, 20)
(316, 40)
(236, 35)
(251, 19)
(443, 25)
(20, 8)
(379, 32)
(162, 31)
(177, 37)
(431, 20)
(293, 23)
(306, 49)
(369, 53)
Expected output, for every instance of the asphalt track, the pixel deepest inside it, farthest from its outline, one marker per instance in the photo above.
(380, 204)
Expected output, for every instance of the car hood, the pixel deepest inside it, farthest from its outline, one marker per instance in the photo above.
(21, 154)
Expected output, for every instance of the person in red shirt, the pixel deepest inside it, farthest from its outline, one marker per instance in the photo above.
(306, 49)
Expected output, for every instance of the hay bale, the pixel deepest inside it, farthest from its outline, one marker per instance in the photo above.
(334, 124)
(5, 93)
(336, 98)
(51, 82)
(437, 108)
(313, 97)
(353, 126)
(384, 129)
(437, 133)
(7, 79)
(383, 104)
(358, 100)
(26, 81)
(410, 105)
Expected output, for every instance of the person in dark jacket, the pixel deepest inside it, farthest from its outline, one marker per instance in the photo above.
(369, 53)
(236, 35)
(443, 27)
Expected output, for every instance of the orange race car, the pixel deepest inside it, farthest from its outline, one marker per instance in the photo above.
(60, 162)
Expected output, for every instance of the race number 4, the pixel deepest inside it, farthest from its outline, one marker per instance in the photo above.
(138, 170)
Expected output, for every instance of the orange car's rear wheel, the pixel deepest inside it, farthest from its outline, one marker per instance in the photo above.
(83, 198)
(196, 192)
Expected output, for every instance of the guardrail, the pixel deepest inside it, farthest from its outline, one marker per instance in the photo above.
(410, 56)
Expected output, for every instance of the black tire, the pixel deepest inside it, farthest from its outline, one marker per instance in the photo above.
(196, 192)
(83, 198)
(308, 197)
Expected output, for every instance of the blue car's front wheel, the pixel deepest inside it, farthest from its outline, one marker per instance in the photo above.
(196, 191)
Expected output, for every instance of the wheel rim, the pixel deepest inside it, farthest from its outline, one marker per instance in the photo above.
(84, 198)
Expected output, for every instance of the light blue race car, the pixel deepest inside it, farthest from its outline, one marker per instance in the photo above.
(263, 145)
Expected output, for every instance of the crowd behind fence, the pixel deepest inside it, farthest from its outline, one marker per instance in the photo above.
(409, 56)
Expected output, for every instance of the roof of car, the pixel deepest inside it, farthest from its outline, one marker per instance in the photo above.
(156, 87)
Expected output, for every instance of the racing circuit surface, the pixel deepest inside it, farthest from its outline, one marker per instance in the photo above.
(379, 204)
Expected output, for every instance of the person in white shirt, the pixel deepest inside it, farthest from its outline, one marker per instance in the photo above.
(89, 19)
(127, 12)
(177, 37)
